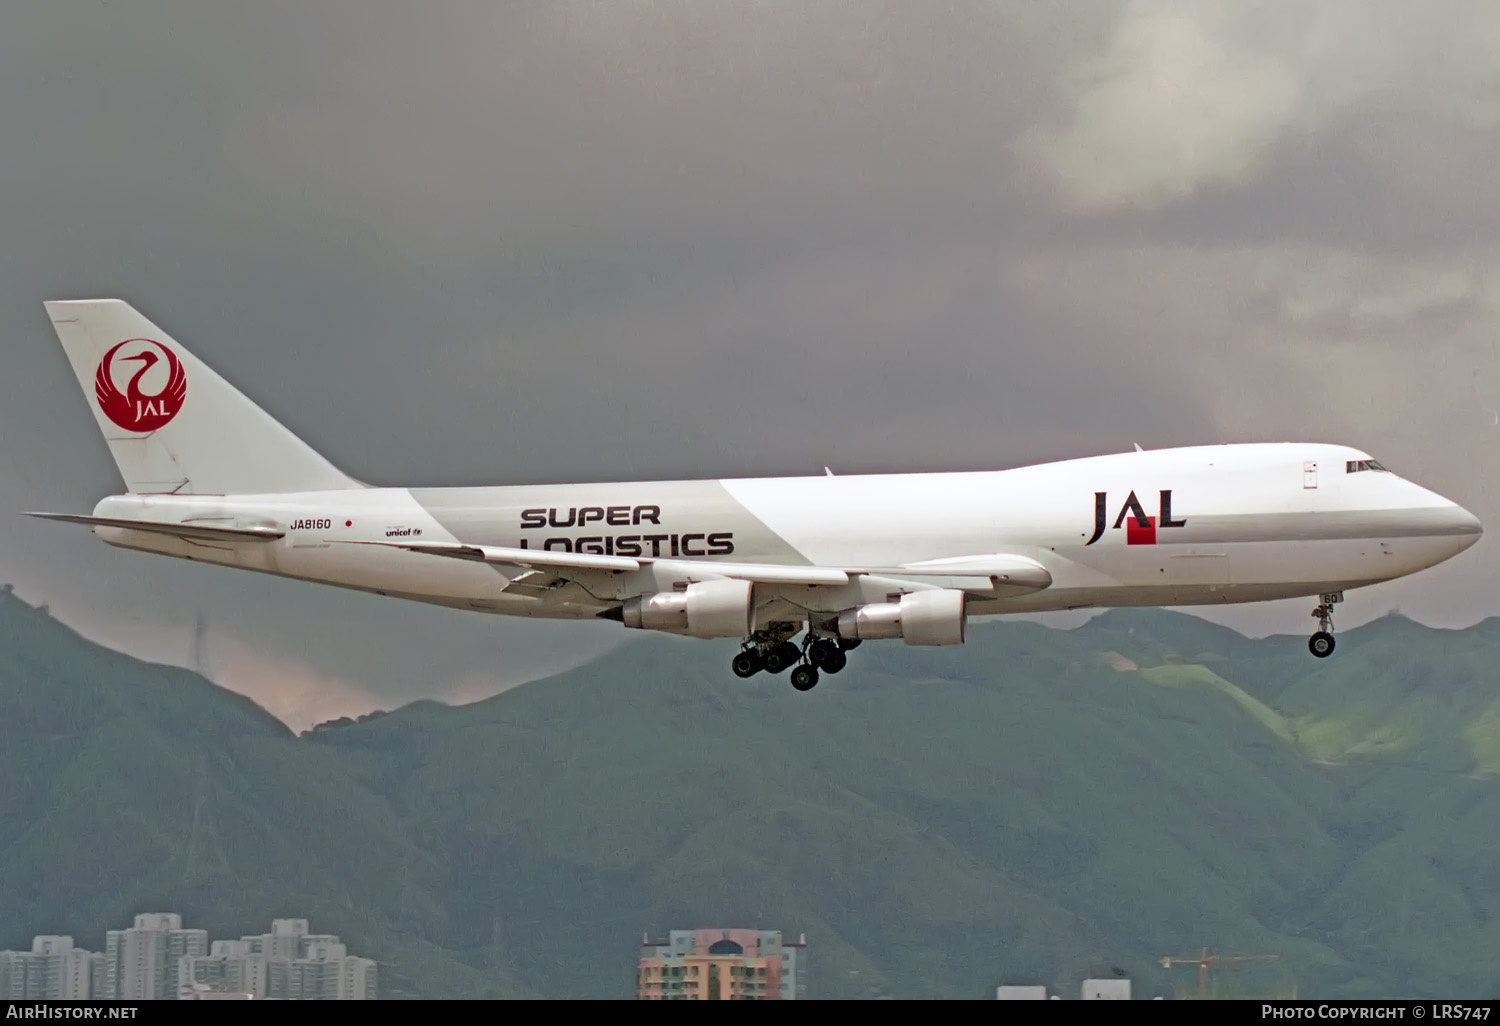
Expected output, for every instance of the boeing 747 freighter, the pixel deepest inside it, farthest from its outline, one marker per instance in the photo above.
(799, 569)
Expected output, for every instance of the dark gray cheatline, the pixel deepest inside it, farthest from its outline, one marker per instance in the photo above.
(1422, 522)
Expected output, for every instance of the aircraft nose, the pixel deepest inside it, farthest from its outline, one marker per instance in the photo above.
(1455, 523)
(1464, 523)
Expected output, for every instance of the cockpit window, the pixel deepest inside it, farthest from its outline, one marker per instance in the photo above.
(1355, 466)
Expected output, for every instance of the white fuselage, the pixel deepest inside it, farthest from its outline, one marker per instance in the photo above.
(1210, 524)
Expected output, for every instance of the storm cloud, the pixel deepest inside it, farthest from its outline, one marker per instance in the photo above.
(507, 243)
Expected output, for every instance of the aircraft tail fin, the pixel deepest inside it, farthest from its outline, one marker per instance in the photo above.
(171, 423)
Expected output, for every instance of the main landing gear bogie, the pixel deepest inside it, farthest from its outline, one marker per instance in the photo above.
(1321, 644)
(765, 654)
(783, 657)
(827, 655)
(817, 655)
(748, 663)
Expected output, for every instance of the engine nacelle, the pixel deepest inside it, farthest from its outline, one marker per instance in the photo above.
(934, 617)
(706, 609)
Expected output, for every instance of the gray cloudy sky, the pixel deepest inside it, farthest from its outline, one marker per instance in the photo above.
(513, 242)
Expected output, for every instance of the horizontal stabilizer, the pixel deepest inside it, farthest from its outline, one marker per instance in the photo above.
(197, 532)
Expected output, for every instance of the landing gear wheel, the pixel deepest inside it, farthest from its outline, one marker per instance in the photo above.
(1321, 643)
(848, 644)
(748, 663)
(836, 663)
(782, 657)
(805, 677)
(822, 652)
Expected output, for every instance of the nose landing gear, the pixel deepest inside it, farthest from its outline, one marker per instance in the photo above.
(1321, 643)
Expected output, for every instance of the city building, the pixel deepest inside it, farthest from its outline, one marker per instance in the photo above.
(53, 970)
(201, 992)
(313, 977)
(229, 968)
(157, 959)
(721, 965)
(357, 979)
(288, 938)
(1106, 990)
(141, 963)
(303, 966)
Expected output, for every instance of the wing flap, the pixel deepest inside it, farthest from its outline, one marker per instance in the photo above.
(1008, 573)
(764, 573)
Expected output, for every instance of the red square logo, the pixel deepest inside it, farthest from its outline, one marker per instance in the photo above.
(1135, 534)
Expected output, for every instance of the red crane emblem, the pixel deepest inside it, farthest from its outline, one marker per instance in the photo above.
(133, 409)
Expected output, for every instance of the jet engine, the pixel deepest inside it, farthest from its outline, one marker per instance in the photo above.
(934, 617)
(705, 609)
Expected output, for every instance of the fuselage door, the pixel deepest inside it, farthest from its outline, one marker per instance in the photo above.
(1310, 474)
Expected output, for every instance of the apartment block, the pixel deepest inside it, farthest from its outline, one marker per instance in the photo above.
(53, 970)
(721, 965)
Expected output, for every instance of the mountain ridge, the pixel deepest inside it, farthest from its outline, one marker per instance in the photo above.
(936, 821)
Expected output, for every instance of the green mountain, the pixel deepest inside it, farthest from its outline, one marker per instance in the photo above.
(1036, 806)
(130, 787)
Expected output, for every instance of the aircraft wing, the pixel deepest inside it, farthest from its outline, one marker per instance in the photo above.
(533, 558)
(980, 573)
(560, 562)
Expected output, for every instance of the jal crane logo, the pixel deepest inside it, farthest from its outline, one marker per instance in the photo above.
(134, 409)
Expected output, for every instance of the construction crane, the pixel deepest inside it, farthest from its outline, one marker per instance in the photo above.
(1204, 960)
